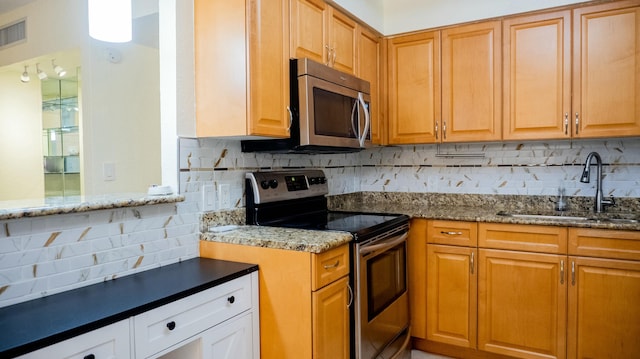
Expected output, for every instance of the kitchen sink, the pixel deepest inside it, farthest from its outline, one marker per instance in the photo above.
(623, 218)
(559, 217)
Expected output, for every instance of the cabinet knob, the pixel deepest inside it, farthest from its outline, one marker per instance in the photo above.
(171, 325)
(231, 299)
(90, 356)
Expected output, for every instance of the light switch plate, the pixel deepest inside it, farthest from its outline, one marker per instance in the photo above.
(208, 198)
(224, 195)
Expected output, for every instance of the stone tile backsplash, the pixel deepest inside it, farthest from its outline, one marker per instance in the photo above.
(49, 254)
(513, 168)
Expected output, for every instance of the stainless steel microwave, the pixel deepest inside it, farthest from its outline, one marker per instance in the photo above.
(329, 112)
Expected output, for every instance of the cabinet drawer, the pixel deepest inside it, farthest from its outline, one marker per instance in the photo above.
(453, 233)
(111, 341)
(531, 238)
(169, 324)
(604, 243)
(329, 266)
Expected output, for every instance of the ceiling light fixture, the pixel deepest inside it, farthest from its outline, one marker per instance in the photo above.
(110, 20)
(58, 69)
(41, 74)
(25, 75)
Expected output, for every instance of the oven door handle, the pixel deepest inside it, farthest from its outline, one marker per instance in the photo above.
(387, 243)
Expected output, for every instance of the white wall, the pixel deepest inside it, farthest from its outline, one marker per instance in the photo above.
(22, 155)
(398, 16)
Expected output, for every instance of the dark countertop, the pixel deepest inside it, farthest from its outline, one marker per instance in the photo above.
(37, 323)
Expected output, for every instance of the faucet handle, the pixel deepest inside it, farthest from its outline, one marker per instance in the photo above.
(609, 202)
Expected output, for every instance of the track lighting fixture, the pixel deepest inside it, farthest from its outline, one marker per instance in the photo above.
(25, 75)
(110, 20)
(58, 69)
(41, 74)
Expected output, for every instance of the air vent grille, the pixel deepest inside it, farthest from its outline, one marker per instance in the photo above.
(13, 33)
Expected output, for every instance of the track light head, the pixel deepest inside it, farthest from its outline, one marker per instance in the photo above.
(25, 75)
(58, 69)
(41, 74)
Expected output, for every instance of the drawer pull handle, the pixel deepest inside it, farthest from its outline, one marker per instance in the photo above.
(450, 233)
(90, 356)
(231, 299)
(334, 265)
(171, 325)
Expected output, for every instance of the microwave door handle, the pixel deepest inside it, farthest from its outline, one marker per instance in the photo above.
(354, 118)
(385, 245)
(367, 119)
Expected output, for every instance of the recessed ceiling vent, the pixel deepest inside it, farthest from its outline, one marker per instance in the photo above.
(13, 33)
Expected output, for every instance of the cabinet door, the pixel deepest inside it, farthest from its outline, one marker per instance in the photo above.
(309, 33)
(414, 88)
(606, 78)
(417, 272)
(343, 40)
(269, 85)
(472, 82)
(331, 320)
(604, 315)
(230, 340)
(241, 69)
(369, 68)
(537, 76)
(112, 341)
(522, 304)
(451, 295)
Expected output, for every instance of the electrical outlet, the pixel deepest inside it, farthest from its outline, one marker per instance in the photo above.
(224, 195)
(208, 198)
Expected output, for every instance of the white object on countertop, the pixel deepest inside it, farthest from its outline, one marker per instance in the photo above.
(156, 190)
(220, 229)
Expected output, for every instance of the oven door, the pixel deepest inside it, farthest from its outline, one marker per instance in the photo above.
(382, 316)
(332, 115)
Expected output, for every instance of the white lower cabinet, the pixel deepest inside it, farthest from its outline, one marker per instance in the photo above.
(221, 322)
(111, 341)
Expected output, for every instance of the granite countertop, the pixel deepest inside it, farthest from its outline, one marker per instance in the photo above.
(454, 207)
(278, 238)
(38, 323)
(75, 204)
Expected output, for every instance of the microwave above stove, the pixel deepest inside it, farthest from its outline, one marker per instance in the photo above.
(329, 112)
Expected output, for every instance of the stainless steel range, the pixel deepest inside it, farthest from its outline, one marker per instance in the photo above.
(380, 316)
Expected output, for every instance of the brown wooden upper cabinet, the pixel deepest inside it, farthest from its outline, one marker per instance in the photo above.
(241, 68)
(369, 68)
(323, 34)
(445, 86)
(472, 83)
(594, 92)
(414, 87)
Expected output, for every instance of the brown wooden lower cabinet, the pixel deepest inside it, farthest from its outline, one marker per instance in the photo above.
(522, 301)
(539, 291)
(304, 299)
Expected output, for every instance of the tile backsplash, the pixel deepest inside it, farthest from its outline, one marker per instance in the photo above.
(49, 254)
(512, 168)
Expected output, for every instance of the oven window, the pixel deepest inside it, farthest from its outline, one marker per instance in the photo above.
(332, 114)
(386, 279)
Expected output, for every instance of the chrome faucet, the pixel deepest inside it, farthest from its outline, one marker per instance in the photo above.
(586, 174)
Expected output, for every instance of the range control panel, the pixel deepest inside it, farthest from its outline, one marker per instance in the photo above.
(273, 186)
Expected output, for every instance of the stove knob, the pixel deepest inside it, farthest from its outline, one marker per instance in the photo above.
(312, 180)
(273, 183)
(264, 184)
(323, 180)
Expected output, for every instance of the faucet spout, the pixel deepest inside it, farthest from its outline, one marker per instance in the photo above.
(600, 202)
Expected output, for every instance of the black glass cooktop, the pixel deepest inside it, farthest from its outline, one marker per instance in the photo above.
(361, 225)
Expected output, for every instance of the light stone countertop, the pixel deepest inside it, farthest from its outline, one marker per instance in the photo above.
(77, 204)
(280, 238)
